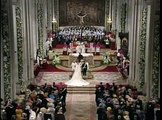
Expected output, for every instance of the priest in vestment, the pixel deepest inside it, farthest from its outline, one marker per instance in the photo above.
(98, 49)
(65, 49)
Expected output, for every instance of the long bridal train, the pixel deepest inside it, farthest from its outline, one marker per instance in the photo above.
(77, 79)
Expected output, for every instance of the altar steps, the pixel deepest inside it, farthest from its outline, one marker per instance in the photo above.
(81, 90)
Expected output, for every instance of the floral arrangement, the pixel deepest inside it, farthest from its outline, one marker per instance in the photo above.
(6, 51)
(140, 83)
(40, 27)
(19, 45)
(106, 58)
(123, 16)
(156, 59)
(56, 59)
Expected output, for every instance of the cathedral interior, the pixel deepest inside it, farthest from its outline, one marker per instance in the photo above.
(119, 40)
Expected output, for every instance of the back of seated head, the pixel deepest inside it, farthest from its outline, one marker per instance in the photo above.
(100, 83)
(47, 116)
(99, 88)
(107, 84)
(113, 83)
(50, 104)
(43, 110)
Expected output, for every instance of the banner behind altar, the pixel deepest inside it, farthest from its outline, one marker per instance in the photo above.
(95, 10)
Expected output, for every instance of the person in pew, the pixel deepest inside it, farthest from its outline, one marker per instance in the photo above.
(101, 112)
(60, 115)
(63, 94)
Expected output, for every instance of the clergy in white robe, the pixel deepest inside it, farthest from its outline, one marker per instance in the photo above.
(97, 50)
(78, 49)
(82, 48)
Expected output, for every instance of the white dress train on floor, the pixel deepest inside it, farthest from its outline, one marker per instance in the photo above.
(77, 79)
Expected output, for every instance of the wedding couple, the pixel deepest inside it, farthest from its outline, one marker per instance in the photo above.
(80, 69)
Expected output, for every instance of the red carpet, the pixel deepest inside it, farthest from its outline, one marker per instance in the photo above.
(109, 69)
(60, 46)
(50, 68)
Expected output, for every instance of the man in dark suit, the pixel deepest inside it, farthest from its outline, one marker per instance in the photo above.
(80, 57)
(84, 68)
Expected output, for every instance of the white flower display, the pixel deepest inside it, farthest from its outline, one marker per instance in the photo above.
(106, 59)
(56, 59)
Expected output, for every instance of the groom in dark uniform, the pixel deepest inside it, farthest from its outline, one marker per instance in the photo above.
(84, 68)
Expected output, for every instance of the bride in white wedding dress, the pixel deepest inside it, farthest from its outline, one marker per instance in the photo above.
(77, 79)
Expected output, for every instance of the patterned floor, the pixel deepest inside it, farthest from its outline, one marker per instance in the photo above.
(77, 104)
(50, 77)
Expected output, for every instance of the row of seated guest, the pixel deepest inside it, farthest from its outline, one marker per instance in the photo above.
(106, 39)
(119, 102)
(72, 39)
(86, 31)
(42, 103)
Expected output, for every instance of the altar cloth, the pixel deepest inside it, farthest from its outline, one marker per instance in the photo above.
(88, 57)
(84, 54)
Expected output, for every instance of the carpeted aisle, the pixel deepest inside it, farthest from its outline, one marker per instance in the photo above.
(80, 107)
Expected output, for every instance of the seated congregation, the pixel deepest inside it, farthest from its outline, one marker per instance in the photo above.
(114, 102)
(46, 102)
(123, 102)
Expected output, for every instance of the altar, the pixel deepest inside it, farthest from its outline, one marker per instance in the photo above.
(88, 57)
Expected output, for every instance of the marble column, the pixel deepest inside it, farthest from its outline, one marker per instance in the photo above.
(159, 80)
(6, 71)
(143, 38)
(53, 9)
(1, 67)
(156, 47)
(25, 50)
(126, 19)
(114, 22)
(132, 39)
(14, 54)
(139, 76)
(148, 58)
(49, 15)
(34, 29)
(118, 28)
(57, 13)
(44, 25)
(29, 43)
(41, 27)
(123, 15)
(6, 37)
(114, 14)
(152, 65)
(106, 14)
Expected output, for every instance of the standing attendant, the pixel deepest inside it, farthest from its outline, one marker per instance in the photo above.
(84, 68)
